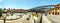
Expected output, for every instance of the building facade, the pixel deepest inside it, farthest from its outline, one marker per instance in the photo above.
(55, 10)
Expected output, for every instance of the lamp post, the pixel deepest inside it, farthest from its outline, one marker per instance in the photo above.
(4, 16)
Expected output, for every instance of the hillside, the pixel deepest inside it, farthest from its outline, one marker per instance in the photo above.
(42, 9)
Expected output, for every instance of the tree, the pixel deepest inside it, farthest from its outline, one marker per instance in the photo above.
(1, 12)
(4, 8)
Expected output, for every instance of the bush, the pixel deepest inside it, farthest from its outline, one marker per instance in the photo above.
(0, 14)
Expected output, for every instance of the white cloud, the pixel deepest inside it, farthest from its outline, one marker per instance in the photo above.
(1, 0)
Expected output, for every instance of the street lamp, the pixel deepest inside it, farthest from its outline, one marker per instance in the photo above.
(4, 16)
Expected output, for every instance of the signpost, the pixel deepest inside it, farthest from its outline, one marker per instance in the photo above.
(4, 16)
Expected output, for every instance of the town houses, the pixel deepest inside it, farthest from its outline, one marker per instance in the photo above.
(55, 10)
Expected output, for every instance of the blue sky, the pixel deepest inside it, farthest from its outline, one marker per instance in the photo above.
(26, 4)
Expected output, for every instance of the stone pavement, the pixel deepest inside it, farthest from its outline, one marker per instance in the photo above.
(54, 18)
(45, 19)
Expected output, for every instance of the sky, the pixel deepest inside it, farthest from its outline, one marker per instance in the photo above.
(26, 4)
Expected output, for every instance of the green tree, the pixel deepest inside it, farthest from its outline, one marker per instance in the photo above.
(1, 12)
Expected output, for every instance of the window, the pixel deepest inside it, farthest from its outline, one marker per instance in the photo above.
(58, 13)
(55, 13)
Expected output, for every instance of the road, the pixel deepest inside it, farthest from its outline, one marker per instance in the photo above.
(24, 19)
(21, 20)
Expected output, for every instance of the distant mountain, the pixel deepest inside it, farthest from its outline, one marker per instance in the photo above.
(42, 8)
